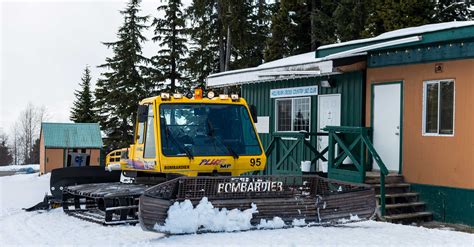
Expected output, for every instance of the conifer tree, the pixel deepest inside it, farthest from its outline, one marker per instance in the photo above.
(454, 10)
(290, 30)
(6, 157)
(170, 35)
(203, 58)
(389, 15)
(82, 110)
(349, 18)
(123, 84)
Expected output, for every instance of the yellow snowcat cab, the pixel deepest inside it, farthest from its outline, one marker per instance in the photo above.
(197, 136)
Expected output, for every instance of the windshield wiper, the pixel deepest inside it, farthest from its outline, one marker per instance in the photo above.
(181, 148)
(211, 134)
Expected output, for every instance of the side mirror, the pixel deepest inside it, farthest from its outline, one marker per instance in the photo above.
(142, 113)
(253, 112)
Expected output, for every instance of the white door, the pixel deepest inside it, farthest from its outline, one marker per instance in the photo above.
(329, 114)
(386, 124)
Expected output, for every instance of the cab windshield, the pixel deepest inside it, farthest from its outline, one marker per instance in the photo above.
(207, 129)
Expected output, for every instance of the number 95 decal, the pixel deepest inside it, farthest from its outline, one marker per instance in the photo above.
(255, 162)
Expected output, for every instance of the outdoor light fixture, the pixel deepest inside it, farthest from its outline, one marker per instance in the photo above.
(234, 96)
(165, 96)
(328, 83)
(210, 95)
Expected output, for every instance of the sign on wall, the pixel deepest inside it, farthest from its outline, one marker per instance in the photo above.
(263, 124)
(293, 92)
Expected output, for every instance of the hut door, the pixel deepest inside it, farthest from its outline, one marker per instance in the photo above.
(329, 113)
(386, 123)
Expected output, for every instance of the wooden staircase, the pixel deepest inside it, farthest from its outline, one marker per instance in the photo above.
(402, 205)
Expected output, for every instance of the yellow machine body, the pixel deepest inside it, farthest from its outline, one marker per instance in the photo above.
(134, 158)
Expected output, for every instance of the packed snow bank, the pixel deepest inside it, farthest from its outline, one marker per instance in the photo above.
(14, 168)
(22, 191)
(183, 217)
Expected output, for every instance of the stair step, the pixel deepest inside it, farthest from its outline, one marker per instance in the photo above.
(409, 194)
(392, 185)
(402, 205)
(408, 216)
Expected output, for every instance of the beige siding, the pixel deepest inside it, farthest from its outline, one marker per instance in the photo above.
(42, 155)
(94, 157)
(436, 160)
(54, 159)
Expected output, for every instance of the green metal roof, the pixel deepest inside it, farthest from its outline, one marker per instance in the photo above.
(431, 33)
(71, 135)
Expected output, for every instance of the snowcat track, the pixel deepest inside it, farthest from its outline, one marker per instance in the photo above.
(103, 203)
(317, 200)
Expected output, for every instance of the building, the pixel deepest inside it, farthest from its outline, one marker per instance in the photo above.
(69, 144)
(411, 91)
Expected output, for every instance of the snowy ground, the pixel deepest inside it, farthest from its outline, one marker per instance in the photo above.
(18, 167)
(55, 228)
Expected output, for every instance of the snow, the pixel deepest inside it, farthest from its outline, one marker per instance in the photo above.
(275, 223)
(13, 168)
(184, 218)
(55, 228)
(298, 65)
(405, 32)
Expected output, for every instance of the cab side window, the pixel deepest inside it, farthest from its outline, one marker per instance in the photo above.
(150, 147)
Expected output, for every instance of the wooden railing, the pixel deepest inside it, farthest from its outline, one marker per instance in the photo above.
(351, 142)
(354, 142)
(277, 147)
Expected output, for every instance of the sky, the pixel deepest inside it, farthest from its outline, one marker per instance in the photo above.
(45, 46)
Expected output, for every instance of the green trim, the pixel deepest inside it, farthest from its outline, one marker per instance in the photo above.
(448, 204)
(372, 86)
(444, 51)
(460, 33)
(64, 157)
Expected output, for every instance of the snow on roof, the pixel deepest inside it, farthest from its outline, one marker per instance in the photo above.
(405, 32)
(299, 65)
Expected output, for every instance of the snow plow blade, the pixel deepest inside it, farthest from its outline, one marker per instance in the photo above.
(315, 199)
(61, 178)
(69, 176)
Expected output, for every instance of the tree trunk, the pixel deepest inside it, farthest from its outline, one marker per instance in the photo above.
(228, 49)
(221, 39)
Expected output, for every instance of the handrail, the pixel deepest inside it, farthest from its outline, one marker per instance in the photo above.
(363, 139)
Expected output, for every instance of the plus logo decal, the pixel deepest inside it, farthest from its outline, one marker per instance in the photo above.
(214, 162)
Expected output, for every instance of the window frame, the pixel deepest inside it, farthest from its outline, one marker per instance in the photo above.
(292, 116)
(424, 106)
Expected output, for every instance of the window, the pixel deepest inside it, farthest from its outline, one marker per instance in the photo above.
(150, 150)
(293, 114)
(438, 107)
(141, 128)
